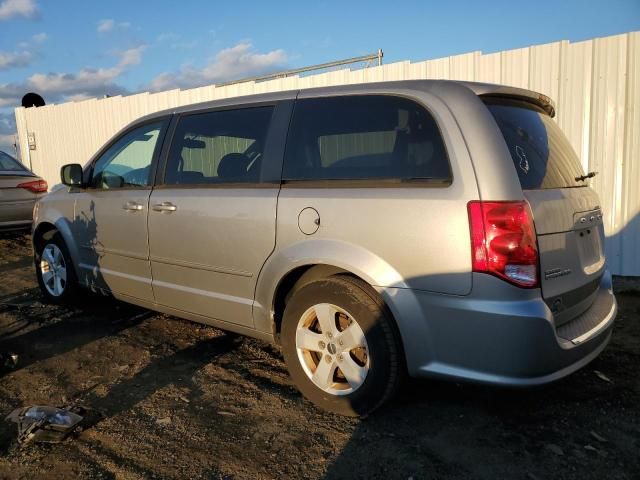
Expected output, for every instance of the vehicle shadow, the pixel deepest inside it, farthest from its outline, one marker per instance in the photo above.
(583, 426)
(42, 330)
(176, 369)
(435, 429)
(85, 230)
(52, 330)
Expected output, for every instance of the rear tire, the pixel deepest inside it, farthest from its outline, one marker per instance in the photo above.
(341, 346)
(55, 272)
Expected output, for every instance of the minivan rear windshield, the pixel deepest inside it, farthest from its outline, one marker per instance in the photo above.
(541, 153)
(10, 164)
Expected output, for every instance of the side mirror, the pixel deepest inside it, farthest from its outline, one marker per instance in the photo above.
(71, 175)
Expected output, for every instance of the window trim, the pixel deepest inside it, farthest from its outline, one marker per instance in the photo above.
(368, 183)
(391, 182)
(88, 171)
(22, 168)
(273, 149)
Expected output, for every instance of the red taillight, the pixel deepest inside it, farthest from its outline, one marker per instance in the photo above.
(36, 186)
(503, 241)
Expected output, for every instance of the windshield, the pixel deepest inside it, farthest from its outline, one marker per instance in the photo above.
(10, 164)
(541, 153)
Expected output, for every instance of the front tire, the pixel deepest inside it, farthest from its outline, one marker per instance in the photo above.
(341, 346)
(55, 272)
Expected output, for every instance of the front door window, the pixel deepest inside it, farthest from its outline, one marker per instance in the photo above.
(127, 163)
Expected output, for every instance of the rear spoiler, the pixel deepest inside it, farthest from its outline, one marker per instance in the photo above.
(537, 99)
(16, 174)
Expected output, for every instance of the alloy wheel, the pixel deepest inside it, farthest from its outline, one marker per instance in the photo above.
(332, 349)
(53, 269)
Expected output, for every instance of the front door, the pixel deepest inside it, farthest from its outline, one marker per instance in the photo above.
(212, 218)
(111, 215)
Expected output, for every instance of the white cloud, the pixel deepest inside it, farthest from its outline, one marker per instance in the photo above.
(107, 25)
(18, 8)
(87, 83)
(132, 56)
(90, 82)
(236, 62)
(24, 55)
(7, 131)
(9, 60)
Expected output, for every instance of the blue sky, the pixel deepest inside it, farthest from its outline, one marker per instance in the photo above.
(78, 49)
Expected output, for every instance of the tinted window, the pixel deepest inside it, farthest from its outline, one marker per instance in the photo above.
(127, 162)
(225, 146)
(10, 164)
(364, 137)
(542, 155)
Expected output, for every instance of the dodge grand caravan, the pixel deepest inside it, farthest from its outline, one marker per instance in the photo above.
(435, 228)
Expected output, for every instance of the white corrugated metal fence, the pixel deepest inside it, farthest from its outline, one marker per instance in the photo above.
(595, 84)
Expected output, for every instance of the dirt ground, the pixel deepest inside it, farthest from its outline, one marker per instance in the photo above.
(172, 399)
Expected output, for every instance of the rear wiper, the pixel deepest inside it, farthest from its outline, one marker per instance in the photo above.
(582, 178)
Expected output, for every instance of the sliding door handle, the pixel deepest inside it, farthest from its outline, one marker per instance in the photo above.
(132, 207)
(165, 207)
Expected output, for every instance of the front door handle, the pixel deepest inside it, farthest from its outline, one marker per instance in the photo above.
(165, 207)
(132, 207)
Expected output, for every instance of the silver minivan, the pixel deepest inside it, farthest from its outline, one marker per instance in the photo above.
(437, 229)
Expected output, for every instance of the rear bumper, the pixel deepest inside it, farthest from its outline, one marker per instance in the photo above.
(498, 335)
(16, 214)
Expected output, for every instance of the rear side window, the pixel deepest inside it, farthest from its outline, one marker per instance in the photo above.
(365, 137)
(10, 164)
(224, 146)
(541, 153)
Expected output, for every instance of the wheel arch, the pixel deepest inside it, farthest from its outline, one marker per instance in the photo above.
(45, 227)
(44, 231)
(291, 268)
(293, 281)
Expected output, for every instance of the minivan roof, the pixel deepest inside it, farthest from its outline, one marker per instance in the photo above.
(480, 89)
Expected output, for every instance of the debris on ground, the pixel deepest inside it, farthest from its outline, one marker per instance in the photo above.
(43, 423)
(164, 421)
(555, 449)
(8, 360)
(602, 376)
(600, 438)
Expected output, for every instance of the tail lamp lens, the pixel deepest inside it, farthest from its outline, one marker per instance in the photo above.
(36, 186)
(503, 241)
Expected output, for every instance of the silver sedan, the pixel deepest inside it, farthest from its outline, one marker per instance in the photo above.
(19, 190)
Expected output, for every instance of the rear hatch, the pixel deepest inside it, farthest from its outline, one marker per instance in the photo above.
(566, 211)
